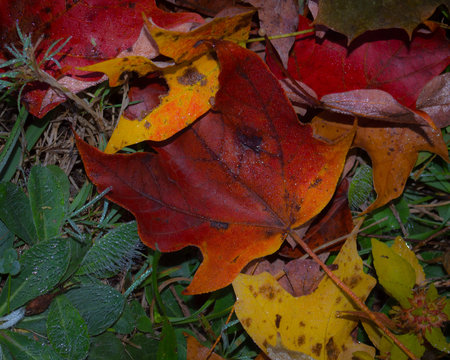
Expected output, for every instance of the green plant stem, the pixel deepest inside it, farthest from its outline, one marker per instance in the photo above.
(352, 295)
(13, 137)
(138, 282)
(282, 36)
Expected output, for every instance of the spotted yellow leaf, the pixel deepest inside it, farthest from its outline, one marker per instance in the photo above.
(306, 324)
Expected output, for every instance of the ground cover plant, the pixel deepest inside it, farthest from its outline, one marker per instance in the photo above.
(224, 180)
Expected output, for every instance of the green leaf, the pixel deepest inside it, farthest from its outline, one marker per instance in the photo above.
(167, 348)
(126, 322)
(23, 347)
(112, 252)
(9, 263)
(409, 340)
(437, 339)
(67, 330)
(6, 238)
(35, 323)
(42, 266)
(12, 138)
(395, 274)
(360, 187)
(107, 346)
(49, 198)
(100, 305)
(15, 212)
(148, 347)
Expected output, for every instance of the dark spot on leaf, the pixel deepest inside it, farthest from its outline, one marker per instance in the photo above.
(247, 322)
(267, 291)
(248, 140)
(191, 76)
(47, 10)
(147, 125)
(219, 225)
(131, 5)
(301, 340)
(301, 323)
(235, 259)
(198, 43)
(385, 257)
(265, 344)
(277, 320)
(338, 299)
(331, 349)
(316, 182)
(316, 349)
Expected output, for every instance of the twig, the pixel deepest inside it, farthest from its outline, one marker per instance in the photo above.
(399, 220)
(341, 238)
(220, 335)
(353, 296)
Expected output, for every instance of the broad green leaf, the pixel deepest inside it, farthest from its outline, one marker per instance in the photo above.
(147, 350)
(394, 273)
(42, 266)
(15, 212)
(409, 340)
(360, 187)
(437, 339)
(126, 322)
(67, 330)
(107, 346)
(49, 195)
(23, 347)
(35, 323)
(100, 305)
(167, 348)
(111, 252)
(402, 249)
(9, 263)
(6, 238)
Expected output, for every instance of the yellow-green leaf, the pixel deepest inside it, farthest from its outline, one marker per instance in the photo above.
(394, 273)
(403, 250)
(307, 324)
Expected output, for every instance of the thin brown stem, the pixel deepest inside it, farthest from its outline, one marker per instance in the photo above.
(353, 296)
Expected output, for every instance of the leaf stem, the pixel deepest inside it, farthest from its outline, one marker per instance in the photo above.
(352, 295)
(281, 36)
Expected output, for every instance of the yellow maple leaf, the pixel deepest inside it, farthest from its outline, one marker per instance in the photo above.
(184, 46)
(190, 89)
(306, 324)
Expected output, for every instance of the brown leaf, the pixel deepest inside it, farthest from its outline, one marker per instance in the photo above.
(196, 351)
(393, 150)
(434, 99)
(278, 17)
(347, 18)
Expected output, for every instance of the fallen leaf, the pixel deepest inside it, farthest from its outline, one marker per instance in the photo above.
(191, 84)
(393, 150)
(401, 248)
(434, 100)
(394, 273)
(333, 222)
(278, 17)
(234, 183)
(351, 20)
(182, 46)
(196, 351)
(191, 87)
(306, 324)
(94, 38)
(385, 62)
